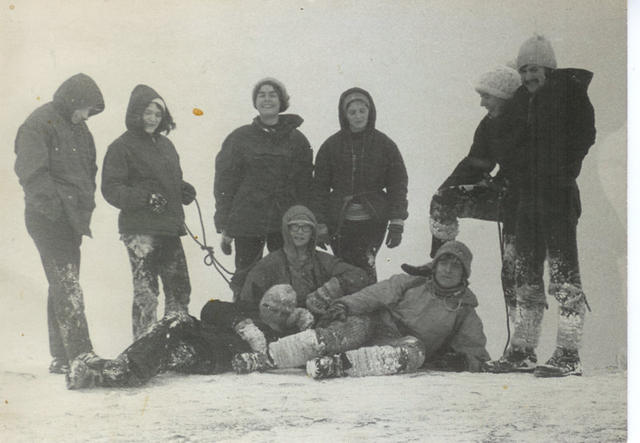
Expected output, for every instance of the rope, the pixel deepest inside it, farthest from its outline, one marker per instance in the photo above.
(209, 258)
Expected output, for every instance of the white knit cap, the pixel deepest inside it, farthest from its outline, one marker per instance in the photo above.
(501, 82)
(537, 50)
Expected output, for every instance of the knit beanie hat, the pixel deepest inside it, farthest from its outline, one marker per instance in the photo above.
(536, 51)
(355, 96)
(460, 251)
(277, 304)
(280, 90)
(501, 82)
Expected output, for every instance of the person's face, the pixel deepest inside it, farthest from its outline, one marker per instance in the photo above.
(80, 115)
(449, 271)
(151, 118)
(533, 77)
(492, 104)
(267, 101)
(357, 116)
(300, 234)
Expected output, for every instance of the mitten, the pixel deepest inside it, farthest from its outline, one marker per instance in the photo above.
(157, 203)
(394, 235)
(225, 244)
(337, 311)
(320, 299)
(188, 193)
(250, 333)
(300, 319)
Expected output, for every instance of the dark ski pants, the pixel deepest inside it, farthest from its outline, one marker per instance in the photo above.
(358, 243)
(248, 251)
(59, 248)
(153, 256)
(482, 203)
(178, 342)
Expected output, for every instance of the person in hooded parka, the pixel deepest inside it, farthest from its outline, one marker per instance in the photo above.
(142, 177)
(359, 185)
(56, 166)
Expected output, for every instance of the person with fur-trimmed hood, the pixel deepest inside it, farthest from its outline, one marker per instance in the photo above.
(395, 326)
(560, 130)
(261, 170)
(360, 185)
(56, 166)
(316, 276)
(142, 177)
(470, 191)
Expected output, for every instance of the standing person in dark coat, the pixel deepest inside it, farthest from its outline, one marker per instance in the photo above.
(471, 192)
(56, 165)
(142, 177)
(262, 169)
(360, 185)
(560, 131)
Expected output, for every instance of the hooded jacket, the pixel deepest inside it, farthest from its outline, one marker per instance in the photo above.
(304, 275)
(364, 168)
(259, 173)
(56, 159)
(137, 165)
(410, 305)
(561, 129)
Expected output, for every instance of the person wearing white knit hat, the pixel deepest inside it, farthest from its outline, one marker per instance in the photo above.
(560, 130)
(470, 191)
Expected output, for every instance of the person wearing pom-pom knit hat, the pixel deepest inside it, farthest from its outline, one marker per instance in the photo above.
(560, 130)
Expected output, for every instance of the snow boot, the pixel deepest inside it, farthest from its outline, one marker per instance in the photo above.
(329, 366)
(59, 366)
(562, 363)
(248, 362)
(515, 360)
(81, 375)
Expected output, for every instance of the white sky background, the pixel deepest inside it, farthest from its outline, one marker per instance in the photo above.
(418, 59)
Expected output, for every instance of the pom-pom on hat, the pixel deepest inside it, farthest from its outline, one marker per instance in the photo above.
(501, 82)
(277, 304)
(537, 50)
(280, 90)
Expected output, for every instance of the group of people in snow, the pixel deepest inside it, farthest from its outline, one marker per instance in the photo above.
(299, 305)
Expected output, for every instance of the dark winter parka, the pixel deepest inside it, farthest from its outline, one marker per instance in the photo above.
(410, 305)
(260, 172)
(56, 159)
(137, 165)
(561, 129)
(282, 266)
(366, 169)
(497, 140)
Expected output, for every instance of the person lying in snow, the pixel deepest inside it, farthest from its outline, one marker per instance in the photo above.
(402, 322)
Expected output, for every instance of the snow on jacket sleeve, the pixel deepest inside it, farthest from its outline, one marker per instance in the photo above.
(396, 182)
(471, 341)
(115, 187)
(227, 179)
(32, 168)
(379, 295)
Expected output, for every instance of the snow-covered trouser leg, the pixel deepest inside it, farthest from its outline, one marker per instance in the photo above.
(295, 350)
(152, 257)
(358, 244)
(387, 357)
(59, 248)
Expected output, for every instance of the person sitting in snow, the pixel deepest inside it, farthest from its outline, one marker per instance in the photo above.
(470, 191)
(402, 322)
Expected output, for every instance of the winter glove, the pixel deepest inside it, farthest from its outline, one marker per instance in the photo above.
(301, 319)
(322, 236)
(394, 235)
(338, 311)
(225, 244)
(422, 270)
(157, 203)
(319, 300)
(188, 193)
(250, 333)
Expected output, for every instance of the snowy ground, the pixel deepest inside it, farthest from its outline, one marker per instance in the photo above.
(288, 406)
